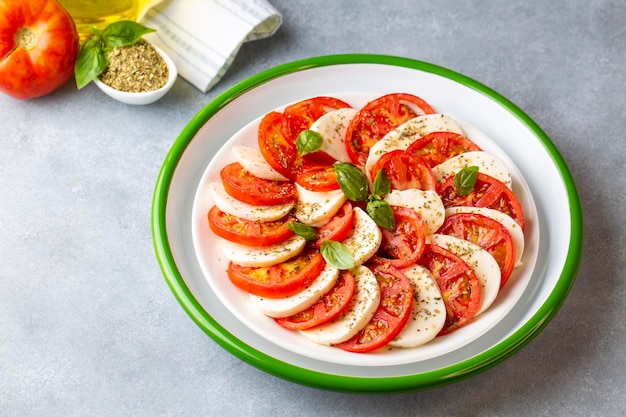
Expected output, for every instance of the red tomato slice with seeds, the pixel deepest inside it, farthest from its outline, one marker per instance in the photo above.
(247, 232)
(404, 245)
(243, 186)
(281, 280)
(280, 153)
(338, 228)
(394, 310)
(437, 147)
(376, 119)
(329, 307)
(487, 233)
(405, 171)
(301, 115)
(318, 178)
(488, 192)
(458, 283)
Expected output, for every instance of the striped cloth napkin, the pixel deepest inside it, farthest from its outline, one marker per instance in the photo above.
(203, 36)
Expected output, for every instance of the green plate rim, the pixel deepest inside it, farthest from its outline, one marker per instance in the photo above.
(426, 380)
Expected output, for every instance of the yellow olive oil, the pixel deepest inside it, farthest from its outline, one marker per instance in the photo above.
(99, 13)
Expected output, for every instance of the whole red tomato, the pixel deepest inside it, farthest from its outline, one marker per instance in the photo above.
(38, 47)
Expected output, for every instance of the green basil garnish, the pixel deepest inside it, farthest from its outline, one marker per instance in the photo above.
(352, 181)
(381, 186)
(303, 230)
(465, 179)
(380, 211)
(337, 254)
(309, 141)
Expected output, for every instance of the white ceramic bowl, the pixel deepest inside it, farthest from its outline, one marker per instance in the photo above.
(145, 97)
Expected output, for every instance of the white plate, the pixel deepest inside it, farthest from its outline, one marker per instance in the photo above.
(526, 306)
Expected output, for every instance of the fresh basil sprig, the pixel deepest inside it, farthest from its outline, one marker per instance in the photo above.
(465, 179)
(352, 181)
(308, 141)
(336, 254)
(92, 61)
(303, 230)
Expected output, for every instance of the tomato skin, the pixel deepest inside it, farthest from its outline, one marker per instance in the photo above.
(301, 115)
(244, 186)
(487, 233)
(318, 178)
(394, 310)
(405, 171)
(326, 309)
(458, 283)
(376, 119)
(437, 147)
(488, 192)
(246, 232)
(281, 280)
(338, 228)
(38, 47)
(404, 245)
(280, 153)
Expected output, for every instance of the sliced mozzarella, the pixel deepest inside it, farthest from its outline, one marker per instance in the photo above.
(253, 161)
(316, 208)
(429, 311)
(408, 132)
(486, 163)
(365, 238)
(481, 261)
(506, 220)
(288, 306)
(426, 203)
(263, 255)
(332, 126)
(230, 205)
(358, 313)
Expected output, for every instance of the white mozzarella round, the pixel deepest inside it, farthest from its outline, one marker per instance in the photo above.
(231, 205)
(486, 163)
(288, 306)
(407, 133)
(365, 238)
(316, 208)
(360, 311)
(482, 262)
(511, 225)
(426, 203)
(253, 161)
(332, 126)
(428, 314)
(259, 256)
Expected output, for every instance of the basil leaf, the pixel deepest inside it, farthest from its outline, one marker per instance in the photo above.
(337, 254)
(303, 230)
(382, 214)
(352, 181)
(381, 186)
(90, 62)
(308, 141)
(465, 179)
(123, 33)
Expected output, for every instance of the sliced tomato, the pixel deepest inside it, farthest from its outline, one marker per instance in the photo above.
(488, 192)
(404, 245)
(437, 147)
(376, 119)
(405, 171)
(338, 228)
(394, 310)
(318, 178)
(458, 283)
(278, 151)
(281, 280)
(246, 232)
(487, 233)
(301, 115)
(329, 307)
(242, 185)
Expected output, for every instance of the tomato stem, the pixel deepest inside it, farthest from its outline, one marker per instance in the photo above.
(26, 38)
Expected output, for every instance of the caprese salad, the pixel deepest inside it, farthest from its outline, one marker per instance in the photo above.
(361, 228)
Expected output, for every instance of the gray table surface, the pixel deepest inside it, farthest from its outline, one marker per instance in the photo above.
(89, 327)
